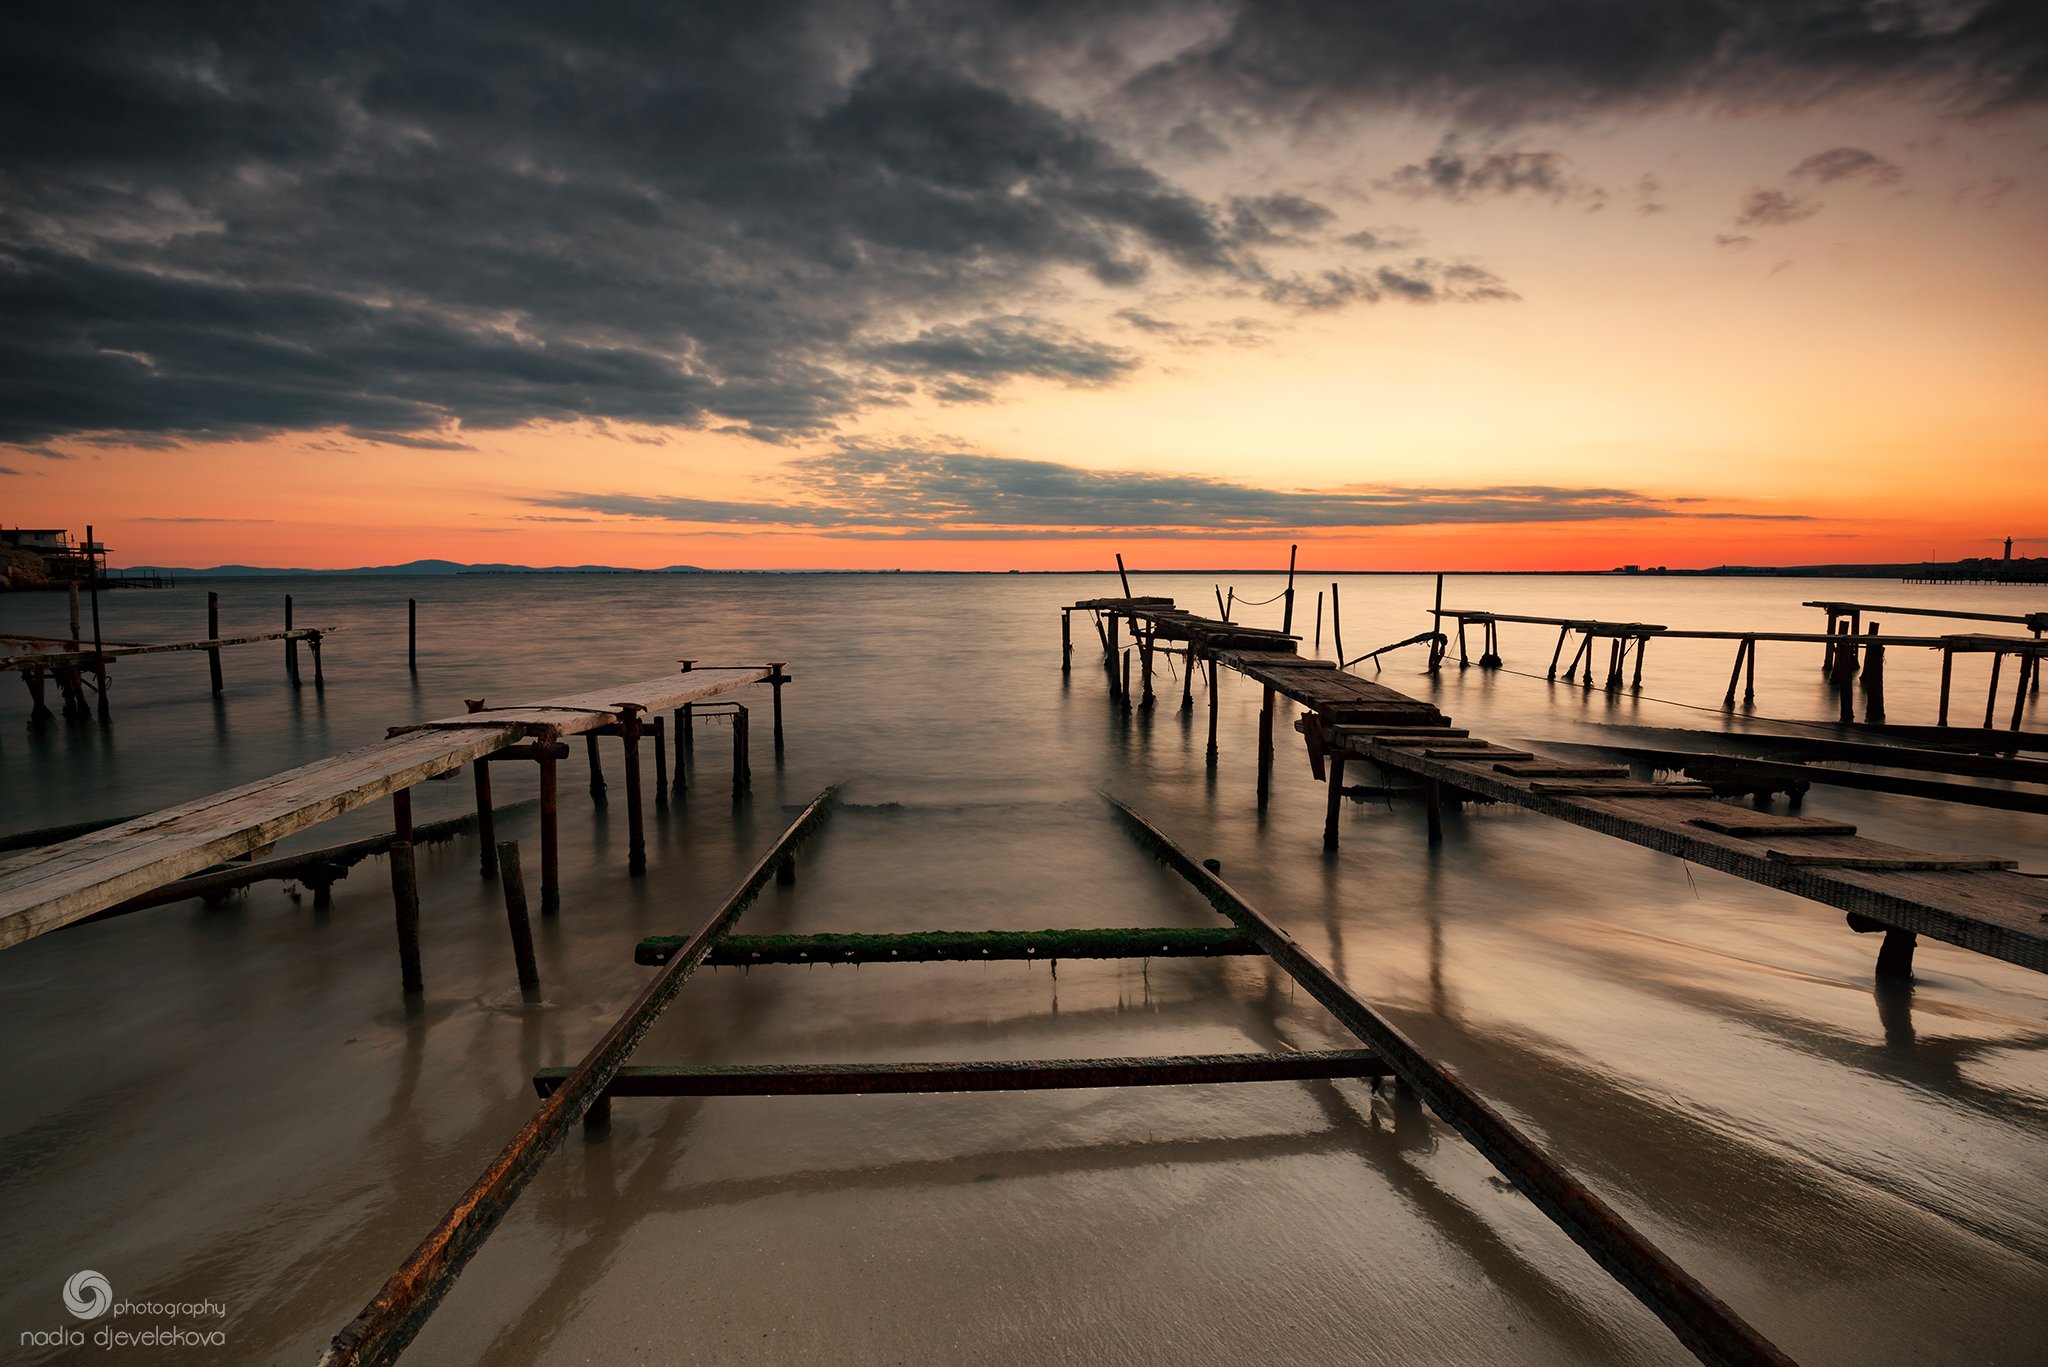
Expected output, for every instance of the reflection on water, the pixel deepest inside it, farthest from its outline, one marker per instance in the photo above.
(234, 1102)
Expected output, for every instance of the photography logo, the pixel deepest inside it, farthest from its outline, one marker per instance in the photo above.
(87, 1295)
(166, 1324)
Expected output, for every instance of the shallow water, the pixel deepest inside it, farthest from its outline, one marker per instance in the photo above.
(234, 1102)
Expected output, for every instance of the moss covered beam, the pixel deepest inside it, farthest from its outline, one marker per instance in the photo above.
(743, 951)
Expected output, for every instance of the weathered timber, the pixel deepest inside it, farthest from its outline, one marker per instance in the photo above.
(86, 658)
(993, 1075)
(1712, 1331)
(933, 946)
(1744, 770)
(1988, 911)
(395, 1314)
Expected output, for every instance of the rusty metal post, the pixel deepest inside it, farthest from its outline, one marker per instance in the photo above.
(1112, 655)
(596, 768)
(405, 895)
(1749, 674)
(1948, 669)
(319, 672)
(1121, 576)
(550, 841)
(515, 914)
(213, 634)
(682, 719)
(636, 828)
(1265, 747)
(742, 765)
(291, 648)
(2027, 667)
(1124, 687)
(658, 728)
(1187, 680)
(1066, 640)
(1336, 624)
(1873, 678)
(412, 634)
(1436, 647)
(1145, 652)
(1319, 620)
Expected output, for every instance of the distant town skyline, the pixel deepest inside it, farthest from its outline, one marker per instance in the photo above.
(964, 286)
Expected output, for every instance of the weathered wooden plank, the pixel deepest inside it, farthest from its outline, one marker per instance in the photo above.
(1597, 789)
(1764, 823)
(979, 946)
(1553, 770)
(44, 659)
(1906, 860)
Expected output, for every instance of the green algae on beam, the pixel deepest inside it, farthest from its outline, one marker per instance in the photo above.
(1166, 942)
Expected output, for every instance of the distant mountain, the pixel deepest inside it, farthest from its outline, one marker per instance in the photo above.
(413, 567)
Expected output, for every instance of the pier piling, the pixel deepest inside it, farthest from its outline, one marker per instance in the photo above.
(516, 919)
(636, 829)
(412, 634)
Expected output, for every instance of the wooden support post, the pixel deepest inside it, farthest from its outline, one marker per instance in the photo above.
(1433, 807)
(319, 671)
(1436, 617)
(596, 768)
(1066, 640)
(1642, 648)
(657, 727)
(689, 740)
(1845, 672)
(1991, 697)
(1584, 652)
(683, 720)
(1463, 662)
(1214, 703)
(405, 896)
(1614, 657)
(785, 871)
(1336, 624)
(1287, 612)
(1558, 652)
(412, 634)
(636, 827)
(550, 833)
(291, 648)
(39, 707)
(92, 565)
(1827, 659)
(742, 763)
(1873, 678)
(213, 634)
(1333, 801)
(1734, 674)
(1265, 747)
(486, 823)
(1123, 578)
(515, 915)
(1124, 684)
(1895, 956)
(1948, 669)
(1749, 673)
(77, 632)
(775, 682)
(401, 814)
(1113, 659)
(1144, 641)
(1221, 610)
(1319, 620)
(1187, 680)
(2028, 665)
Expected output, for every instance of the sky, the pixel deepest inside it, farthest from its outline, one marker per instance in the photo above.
(1460, 284)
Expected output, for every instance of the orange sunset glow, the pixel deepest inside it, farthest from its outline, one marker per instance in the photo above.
(1006, 308)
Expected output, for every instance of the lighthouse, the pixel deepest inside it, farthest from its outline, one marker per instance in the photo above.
(2008, 548)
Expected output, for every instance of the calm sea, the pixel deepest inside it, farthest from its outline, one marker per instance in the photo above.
(234, 1104)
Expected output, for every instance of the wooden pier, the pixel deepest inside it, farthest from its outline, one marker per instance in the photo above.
(45, 888)
(1850, 649)
(1974, 902)
(1712, 1331)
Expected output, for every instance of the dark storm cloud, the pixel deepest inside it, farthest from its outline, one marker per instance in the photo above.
(1848, 163)
(1461, 176)
(1003, 348)
(1774, 209)
(402, 221)
(935, 495)
(1485, 63)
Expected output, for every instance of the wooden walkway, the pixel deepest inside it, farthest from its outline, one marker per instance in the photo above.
(1976, 902)
(43, 889)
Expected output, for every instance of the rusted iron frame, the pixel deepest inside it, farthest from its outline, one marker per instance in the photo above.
(993, 1075)
(1708, 1328)
(398, 1311)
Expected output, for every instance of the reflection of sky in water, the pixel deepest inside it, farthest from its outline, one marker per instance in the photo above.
(232, 1102)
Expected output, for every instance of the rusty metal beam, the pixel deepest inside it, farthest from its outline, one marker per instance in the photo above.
(1712, 1331)
(949, 946)
(995, 1075)
(397, 1312)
